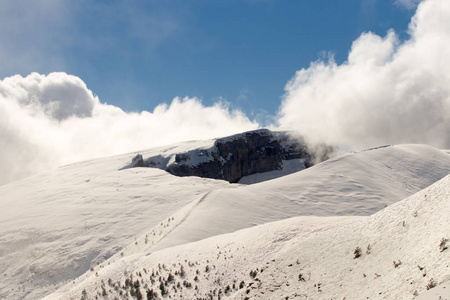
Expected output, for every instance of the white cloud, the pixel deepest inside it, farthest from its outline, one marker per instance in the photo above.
(46, 121)
(387, 91)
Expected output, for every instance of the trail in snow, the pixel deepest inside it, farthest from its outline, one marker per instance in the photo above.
(56, 226)
(152, 238)
(352, 184)
(302, 257)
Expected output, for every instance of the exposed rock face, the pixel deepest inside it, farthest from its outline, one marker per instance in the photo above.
(236, 156)
(137, 161)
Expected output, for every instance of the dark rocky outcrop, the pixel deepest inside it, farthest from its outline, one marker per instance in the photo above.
(137, 161)
(239, 155)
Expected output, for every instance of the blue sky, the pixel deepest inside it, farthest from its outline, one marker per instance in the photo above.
(137, 54)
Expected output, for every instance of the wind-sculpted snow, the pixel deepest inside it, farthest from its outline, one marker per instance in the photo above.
(60, 224)
(396, 253)
(352, 184)
(55, 226)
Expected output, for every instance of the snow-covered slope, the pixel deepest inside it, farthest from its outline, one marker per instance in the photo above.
(287, 167)
(440, 292)
(396, 253)
(352, 184)
(56, 226)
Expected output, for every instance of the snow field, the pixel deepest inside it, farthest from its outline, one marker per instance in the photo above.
(58, 225)
(303, 257)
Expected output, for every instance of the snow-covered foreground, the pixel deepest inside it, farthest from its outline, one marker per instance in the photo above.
(56, 226)
(396, 253)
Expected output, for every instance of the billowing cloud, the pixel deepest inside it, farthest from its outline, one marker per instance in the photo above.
(46, 121)
(387, 91)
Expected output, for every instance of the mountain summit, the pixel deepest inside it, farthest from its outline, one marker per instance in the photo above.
(234, 157)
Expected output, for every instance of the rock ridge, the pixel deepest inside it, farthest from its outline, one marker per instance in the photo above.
(236, 156)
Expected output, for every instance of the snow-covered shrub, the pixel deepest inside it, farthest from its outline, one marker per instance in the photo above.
(253, 273)
(397, 263)
(431, 284)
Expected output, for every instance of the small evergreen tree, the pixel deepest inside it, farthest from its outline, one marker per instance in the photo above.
(163, 289)
(139, 294)
(182, 272)
(241, 285)
(151, 294)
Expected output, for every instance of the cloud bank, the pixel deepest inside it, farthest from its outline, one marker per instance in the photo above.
(387, 92)
(47, 121)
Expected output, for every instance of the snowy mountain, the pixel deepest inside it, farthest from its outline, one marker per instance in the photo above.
(94, 220)
(396, 253)
(238, 156)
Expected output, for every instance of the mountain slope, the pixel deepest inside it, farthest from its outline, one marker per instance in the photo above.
(56, 226)
(352, 184)
(403, 252)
